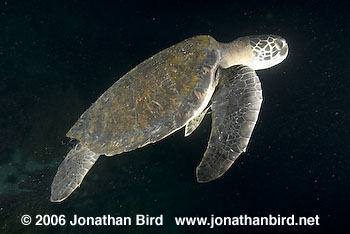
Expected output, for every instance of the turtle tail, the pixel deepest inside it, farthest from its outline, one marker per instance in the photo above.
(71, 172)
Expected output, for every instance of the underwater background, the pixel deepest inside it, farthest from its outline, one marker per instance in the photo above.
(58, 57)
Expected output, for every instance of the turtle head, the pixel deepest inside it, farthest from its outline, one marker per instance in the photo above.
(268, 51)
(257, 52)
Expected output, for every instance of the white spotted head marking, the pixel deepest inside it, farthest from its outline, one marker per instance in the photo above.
(257, 52)
(268, 51)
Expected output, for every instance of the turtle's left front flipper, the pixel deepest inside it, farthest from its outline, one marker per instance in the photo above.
(235, 108)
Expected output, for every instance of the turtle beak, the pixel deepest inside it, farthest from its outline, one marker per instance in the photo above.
(282, 47)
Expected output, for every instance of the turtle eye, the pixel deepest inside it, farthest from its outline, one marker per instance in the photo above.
(279, 44)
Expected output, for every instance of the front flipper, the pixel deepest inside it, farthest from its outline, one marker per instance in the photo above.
(195, 122)
(235, 110)
(71, 172)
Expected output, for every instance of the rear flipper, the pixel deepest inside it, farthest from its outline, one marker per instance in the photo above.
(235, 109)
(71, 172)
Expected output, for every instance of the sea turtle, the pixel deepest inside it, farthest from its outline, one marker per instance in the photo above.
(170, 90)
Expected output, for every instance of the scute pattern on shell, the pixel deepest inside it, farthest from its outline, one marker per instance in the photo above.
(151, 101)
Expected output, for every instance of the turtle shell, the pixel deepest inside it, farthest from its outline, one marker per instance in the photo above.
(154, 99)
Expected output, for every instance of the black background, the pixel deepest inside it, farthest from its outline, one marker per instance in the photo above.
(57, 57)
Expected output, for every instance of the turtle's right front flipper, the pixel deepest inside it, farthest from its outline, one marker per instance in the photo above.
(235, 109)
(71, 172)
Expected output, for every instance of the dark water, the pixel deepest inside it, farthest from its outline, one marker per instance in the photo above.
(58, 58)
